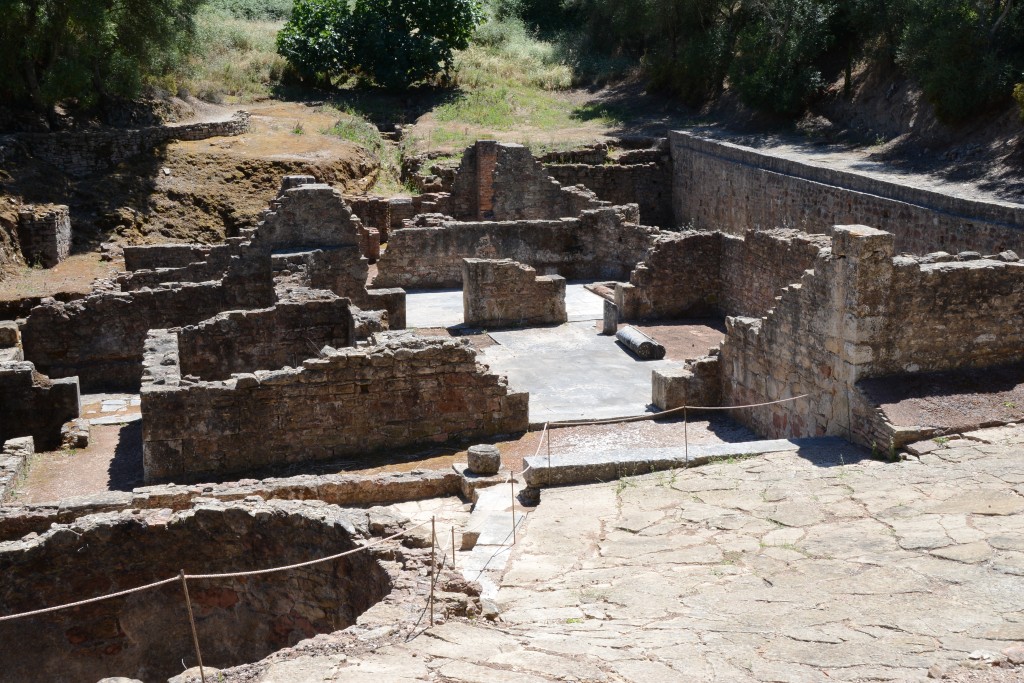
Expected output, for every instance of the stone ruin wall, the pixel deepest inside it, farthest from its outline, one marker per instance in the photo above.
(34, 405)
(504, 293)
(265, 339)
(862, 313)
(693, 274)
(100, 338)
(349, 402)
(503, 182)
(14, 454)
(721, 186)
(145, 635)
(82, 153)
(600, 244)
(156, 256)
(44, 232)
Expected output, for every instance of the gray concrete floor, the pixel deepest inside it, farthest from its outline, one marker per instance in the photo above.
(571, 371)
(443, 308)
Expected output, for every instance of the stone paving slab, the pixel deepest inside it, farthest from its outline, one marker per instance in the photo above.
(808, 564)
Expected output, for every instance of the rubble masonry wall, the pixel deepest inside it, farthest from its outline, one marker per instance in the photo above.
(503, 293)
(863, 313)
(351, 402)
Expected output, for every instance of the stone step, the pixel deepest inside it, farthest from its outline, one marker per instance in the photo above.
(591, 468)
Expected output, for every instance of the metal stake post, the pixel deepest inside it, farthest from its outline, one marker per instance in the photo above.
(686, 438)
(433, 566)
(192, 622)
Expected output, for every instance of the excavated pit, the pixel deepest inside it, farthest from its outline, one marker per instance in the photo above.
(146, 635)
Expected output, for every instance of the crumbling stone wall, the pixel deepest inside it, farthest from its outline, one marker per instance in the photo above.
(862, 313)
(397, 394)
(503, 293)
(154, 256)
(208, 262)
(81, 153)
(648, 185)
(692, 273)
(13, 455)
(388, 213)
(265, 339)
(308, 215)
(146, 635)
(34, 405)
(100, 338)
(44, 232)
(721, 186)
(503, 182)
(600, 244)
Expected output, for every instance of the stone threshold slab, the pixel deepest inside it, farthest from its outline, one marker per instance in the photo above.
(576, 468)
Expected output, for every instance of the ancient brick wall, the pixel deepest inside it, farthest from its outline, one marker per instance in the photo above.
(100, 338)
(503, 293)
(757, 267)
(351, 402)
(720, 186)
(265, 339)
(33, 405)
(860, 314)
(648, 185)
(82, 153)
(692, 274)
(600, 244)
(45, 234)
(503, 182)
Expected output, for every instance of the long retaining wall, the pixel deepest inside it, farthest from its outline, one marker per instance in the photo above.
(722, 186)
(81, 153)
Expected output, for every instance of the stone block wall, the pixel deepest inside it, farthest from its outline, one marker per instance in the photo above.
(308, 216)
(99, 338)
(649, 185)
(208, 262)
(402, 393)
(694, 274)
(34, 405)
(154, 256)
(504, 293)
(862, 313)
(265, 339)
(696, 383)
(13, 455)
(721, 186)
(45, 234)
(83, 153)
(503, 182)
(604, 243)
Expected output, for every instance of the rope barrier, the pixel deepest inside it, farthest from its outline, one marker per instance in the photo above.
(657, 416)
(179, 577)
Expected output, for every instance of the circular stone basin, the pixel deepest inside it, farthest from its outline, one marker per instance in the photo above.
(146, 635)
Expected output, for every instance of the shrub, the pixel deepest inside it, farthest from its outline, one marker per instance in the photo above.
(254, 10)
(393, 43)
(1018, 94)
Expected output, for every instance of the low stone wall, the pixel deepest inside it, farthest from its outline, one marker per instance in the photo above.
(697, 383)
(81, 153)
(34, 405)
(346, 490)
(692, 274)
(862, 313)
(397, 394)
(13, 455)
(265, 339)
(508, 294)
(307, 215)
(100, 338)
(721, 186)
(154, 256)
(601, 244)
(208, 263)
(388, 213)
(503, 182)
(45, 234)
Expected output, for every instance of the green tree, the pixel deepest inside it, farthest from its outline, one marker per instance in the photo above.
(54, 50)
(777, 67)
(393, 43)
(966, 54)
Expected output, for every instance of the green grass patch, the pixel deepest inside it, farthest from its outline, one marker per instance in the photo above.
(236, 58)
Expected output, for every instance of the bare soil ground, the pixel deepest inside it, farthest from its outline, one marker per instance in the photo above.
(956, 401)
(73, 276)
